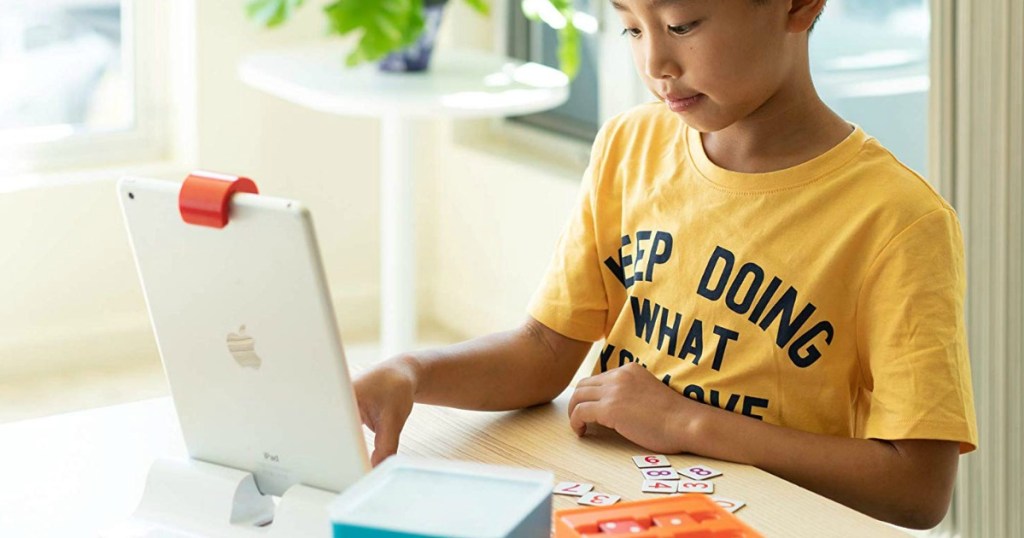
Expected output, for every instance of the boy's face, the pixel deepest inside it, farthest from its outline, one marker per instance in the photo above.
(714, 62)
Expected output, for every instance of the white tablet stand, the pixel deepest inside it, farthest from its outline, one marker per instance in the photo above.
(193, 498)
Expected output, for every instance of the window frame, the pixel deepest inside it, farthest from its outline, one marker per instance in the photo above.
(145, 50)
(618, 89)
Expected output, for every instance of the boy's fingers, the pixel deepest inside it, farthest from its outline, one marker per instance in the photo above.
(583, 394)
(385, 440)
(592, 381)
(584, 413)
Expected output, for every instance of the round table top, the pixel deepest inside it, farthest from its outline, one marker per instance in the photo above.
(459, 84)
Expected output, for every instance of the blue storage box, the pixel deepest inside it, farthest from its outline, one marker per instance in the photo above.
(419, 498)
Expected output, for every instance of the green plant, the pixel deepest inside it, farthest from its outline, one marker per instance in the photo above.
(389, 25)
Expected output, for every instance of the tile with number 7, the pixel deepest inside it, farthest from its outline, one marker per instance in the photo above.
(572, 488)
(699, 472)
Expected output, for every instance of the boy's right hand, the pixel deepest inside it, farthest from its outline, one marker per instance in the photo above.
(385, 397)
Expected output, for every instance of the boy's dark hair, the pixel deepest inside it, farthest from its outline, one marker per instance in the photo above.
(762, 2)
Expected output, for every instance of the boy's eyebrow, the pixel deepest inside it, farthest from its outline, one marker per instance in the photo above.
(656, 4)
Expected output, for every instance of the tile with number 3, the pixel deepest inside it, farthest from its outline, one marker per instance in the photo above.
(598, 499)
(696, 487)
(572, 488)
(699, 472)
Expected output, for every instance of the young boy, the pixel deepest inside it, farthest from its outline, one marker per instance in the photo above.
(773, 287)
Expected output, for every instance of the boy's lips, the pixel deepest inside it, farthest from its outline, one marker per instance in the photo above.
(682, 103)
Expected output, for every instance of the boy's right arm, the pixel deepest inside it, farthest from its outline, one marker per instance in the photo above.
(526, 366)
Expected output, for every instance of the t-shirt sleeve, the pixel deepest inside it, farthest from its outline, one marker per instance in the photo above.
(571, 299)
(912, 337)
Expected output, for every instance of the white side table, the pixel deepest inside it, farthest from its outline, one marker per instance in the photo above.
(460, 84)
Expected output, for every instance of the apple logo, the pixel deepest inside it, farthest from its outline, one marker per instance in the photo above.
(243, 348)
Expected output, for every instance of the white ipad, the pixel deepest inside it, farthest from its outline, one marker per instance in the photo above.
(247, 335)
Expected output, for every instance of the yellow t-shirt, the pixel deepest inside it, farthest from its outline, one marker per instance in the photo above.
(827, 297)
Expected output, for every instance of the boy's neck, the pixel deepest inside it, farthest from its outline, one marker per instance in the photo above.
(792, 127)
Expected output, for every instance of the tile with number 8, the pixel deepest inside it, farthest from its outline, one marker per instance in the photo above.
(572, 488)
(699, 472)
(664, 473)
(730, 505)
(598, 499)
(653, 460)
(696, 487)
(659, 486)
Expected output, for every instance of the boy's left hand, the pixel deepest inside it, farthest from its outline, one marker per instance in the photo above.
(634, 403)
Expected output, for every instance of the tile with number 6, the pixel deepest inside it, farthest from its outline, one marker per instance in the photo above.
(653, 460)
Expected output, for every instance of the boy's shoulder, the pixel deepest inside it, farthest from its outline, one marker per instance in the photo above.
(870, 174)
(876, 174)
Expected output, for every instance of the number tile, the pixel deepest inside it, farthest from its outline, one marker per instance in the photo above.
(658, 486)
(686, 486)
(730, 505)
(598, 499)
(699, 472)
(652, 460)
(575, 489)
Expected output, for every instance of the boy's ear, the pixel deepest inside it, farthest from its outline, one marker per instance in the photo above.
(803, 13)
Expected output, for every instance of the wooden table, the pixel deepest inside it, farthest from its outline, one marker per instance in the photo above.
(541, 438)
(78, 473)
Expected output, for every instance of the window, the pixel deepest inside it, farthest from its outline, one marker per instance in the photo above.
(537, 42)
(869, 60)
(79, 85)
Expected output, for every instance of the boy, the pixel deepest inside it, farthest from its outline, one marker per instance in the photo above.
(773, 287)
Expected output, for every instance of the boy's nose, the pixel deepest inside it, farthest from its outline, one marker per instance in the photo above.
(660, 63)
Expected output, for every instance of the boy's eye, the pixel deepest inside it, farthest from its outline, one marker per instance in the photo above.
(683, 28)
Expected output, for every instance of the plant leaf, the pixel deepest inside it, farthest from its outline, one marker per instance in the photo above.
(481, 6)
(271, 13)
(569, 49)
(387, 25)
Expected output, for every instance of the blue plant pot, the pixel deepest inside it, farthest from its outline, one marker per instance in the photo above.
(416, 57)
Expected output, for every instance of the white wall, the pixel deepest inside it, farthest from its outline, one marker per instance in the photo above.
(69, 294)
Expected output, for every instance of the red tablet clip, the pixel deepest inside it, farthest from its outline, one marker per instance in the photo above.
(205, 196)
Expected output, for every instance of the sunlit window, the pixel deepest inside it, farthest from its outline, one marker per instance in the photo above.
(70, 82)
(869, 60)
